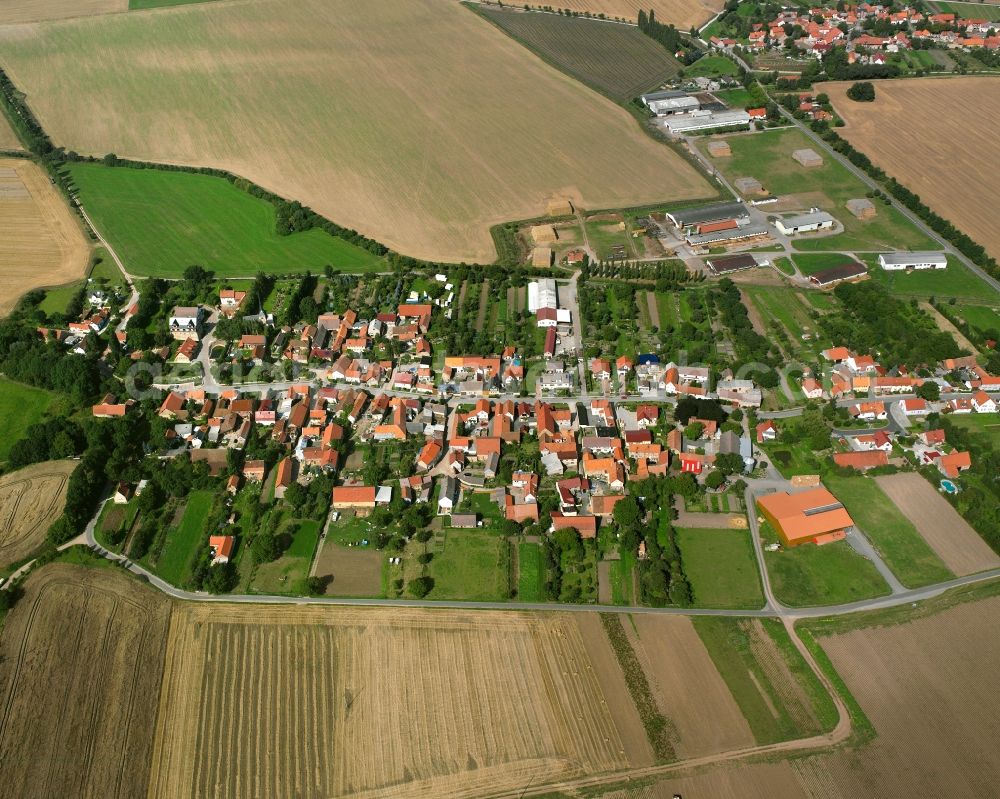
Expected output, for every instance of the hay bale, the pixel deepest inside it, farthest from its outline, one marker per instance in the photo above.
(560, 206)
(862, 208)
(804, 480)
(747, 186)
(808, 157)
(543, 234)
(541, 257)
(719, 149)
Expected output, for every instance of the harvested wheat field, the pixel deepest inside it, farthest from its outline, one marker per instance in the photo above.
(945, 156)
(30, 500)
(16, 11)
(422, 142)
(42, 244)
(371, 703)
(682, 13)
(929, 688)
(687, 687)
(948, 534)
(735, 781)
(82, 657)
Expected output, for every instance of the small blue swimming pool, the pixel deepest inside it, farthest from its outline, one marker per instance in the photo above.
(949, 487)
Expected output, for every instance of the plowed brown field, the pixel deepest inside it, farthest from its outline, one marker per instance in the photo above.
(941, 147)
(30, 500)
(41, 244)
(414, 121)
(372, 703)
(960, 547)
(82, 656)
(682, 13)
(687, 687)
(929, 688)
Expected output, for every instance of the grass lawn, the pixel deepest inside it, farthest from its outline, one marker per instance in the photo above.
(472, 565)
(784, 266)
(767, 156)
(183, 542)
(899, 543)
(810, 575)
(985, 425)
(980, 317)
(287, 574)
(774, 710)
(622, 573)
(162, 222)
(811, 263)
(721, 568)
(736, 98)
(794, 457)
(604, 235)
(710, 65)
(531, 573)
(955, 281)
(20, 407)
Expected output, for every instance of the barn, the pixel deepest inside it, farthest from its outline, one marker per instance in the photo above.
(862, 208)
(838, 274)
(899, 261)
(805, 223)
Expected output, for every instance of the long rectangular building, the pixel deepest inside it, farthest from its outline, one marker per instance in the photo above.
(719, 212)
(897, 261)
(838, 274)
(744, 233)
(809, 517)
(730, 263)
(689, 123)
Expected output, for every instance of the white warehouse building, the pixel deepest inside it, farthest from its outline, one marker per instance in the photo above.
(805, 223)
(542, 294)
(896, 261)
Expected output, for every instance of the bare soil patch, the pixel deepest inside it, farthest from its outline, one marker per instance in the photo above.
(688, 688)
(356, 571)
(736, 781)
(928, 687)
(422, 142)
(42, 243)
(82, 657)
(654, 309)
(376, 703)
(30, 500)
(949, 535)
(753, 313)
(927, 150)
(17, 11)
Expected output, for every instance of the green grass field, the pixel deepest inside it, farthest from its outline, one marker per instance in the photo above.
(617, 60)
(986, 425)
(287, 574)
(182, 543)
(721, 568)
(811, 263)
(104, 273)
(810, 575)
(710, 66)
(767, 156)
(980, 317)
(899, 543)
(531, 573)
(162, 222)
(774, 710)
(955, 281)
(970, 10)
(472, 565)
(20, 407)
(736, 98)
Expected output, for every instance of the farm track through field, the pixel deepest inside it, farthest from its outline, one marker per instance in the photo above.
(654, 309)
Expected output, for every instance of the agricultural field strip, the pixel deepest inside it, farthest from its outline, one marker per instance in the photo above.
(546, 645)
(421, 176)
(30, 500)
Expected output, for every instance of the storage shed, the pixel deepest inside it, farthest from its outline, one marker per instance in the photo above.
(719, 149)
(541, 257)
(747, 186)
(808, 157)
(543, 234)
(861, 208)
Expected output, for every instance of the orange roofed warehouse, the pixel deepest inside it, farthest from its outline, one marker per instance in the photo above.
(808, 517)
